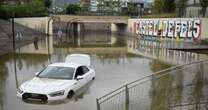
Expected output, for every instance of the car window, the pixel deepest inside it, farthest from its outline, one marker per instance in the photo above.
(57, 72)
(85, 69)
(79, 72)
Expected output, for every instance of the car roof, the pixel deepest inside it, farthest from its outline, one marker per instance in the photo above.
(64, 64)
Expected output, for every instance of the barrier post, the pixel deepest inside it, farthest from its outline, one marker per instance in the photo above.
(127, 97)
(98, 105)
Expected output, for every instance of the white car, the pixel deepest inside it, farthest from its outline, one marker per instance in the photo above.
(59, 80)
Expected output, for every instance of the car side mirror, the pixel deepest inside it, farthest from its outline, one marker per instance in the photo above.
(36, 74)
(79, 77)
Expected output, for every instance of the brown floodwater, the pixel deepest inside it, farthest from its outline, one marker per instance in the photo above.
(117, 60)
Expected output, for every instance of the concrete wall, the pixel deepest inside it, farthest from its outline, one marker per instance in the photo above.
(119, 28)
(36, 23)
(97, 26)
(150, 49)
(40, 47)
(191, 28)
(105, 19)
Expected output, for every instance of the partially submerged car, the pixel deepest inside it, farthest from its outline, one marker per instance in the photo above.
(59, 80)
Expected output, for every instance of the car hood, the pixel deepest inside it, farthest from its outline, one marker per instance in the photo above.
(45, 85)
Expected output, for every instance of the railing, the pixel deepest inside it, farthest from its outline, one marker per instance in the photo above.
(175, 87)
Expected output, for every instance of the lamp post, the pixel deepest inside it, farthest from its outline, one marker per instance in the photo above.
(13, 33)
(12, 20)
(14, 46)
(48, 37)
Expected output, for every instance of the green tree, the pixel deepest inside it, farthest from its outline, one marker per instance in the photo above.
(158, 6)
(73, 9)
(169, 6)
(164, 6)
(181, 6)
(204, 4)
(1, 1)
(132, 9)
(3, 13)
(47, 3)
(39, 10)
(84, 6)
(113, 6)
(29, 9)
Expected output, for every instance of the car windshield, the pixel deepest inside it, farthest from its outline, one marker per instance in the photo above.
(57, 72)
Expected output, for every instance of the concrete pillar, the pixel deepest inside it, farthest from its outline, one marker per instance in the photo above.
(113, 27)
(78, 27)
(78, 30)
(50, 21)
(121, 28)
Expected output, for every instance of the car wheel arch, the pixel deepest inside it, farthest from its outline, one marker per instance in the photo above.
(70, 93)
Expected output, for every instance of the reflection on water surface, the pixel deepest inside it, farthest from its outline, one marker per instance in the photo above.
(117, 60)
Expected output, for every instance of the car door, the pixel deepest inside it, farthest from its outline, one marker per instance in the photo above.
(86, 74)
(80, 82)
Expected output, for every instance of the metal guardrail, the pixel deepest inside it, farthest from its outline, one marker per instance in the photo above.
(182, 85)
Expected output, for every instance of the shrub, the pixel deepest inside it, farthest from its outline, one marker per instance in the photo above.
(35, 8)
(73, 9)
(3, 13)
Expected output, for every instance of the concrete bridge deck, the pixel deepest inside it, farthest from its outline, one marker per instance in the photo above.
(105, 19)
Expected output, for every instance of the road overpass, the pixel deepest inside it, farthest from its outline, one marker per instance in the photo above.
(95, 19)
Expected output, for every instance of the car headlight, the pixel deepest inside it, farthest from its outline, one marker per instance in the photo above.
(19, 90)
(57, 93)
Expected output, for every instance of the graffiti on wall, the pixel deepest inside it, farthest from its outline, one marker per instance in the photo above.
(173, 28)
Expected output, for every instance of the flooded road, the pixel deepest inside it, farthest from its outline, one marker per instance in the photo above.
(117, 60)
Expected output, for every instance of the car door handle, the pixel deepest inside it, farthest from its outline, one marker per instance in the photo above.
(79, 79)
